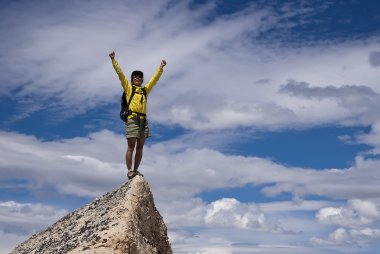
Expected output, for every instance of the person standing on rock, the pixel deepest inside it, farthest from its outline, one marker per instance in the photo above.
(136, 126)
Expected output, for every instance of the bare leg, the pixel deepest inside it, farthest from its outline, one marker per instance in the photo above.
(139, 152)
(129, 153)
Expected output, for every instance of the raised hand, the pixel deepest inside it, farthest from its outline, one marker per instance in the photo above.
(163, 63)
(112, 55)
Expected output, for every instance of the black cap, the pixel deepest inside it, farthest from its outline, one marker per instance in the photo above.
(138, 74)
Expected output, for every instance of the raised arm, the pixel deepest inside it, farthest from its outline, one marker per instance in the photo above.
(115, 64)
(156, 76)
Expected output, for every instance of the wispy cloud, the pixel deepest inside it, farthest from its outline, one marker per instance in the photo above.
(19, 218)
(81, 162)
(59, 53)
(357, 102)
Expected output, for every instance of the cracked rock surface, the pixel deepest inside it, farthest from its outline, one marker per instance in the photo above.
(123, 221)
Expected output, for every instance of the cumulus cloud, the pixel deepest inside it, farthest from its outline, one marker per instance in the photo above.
(339, 236)
(229, 212)
(356, 221)
(353, 237)
(355, 214)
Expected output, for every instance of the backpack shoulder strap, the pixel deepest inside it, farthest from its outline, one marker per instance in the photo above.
(132, 94)
(124, 103)
(123, 100)
(144, 91)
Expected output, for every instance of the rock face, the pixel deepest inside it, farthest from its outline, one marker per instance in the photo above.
(123, 221)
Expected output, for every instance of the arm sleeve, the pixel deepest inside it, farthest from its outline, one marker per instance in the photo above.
(153, 80)
(119, 72)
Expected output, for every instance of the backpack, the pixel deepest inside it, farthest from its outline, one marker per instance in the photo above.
(125, 111)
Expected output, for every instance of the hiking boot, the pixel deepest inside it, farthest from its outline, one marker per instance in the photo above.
(131, 174)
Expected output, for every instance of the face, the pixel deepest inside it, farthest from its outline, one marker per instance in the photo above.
(137, 80)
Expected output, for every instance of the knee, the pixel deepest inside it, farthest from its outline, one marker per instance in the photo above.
(139, 147)
(130, 149)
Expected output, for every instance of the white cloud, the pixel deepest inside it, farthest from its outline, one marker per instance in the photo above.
(77, 166)
(289, 206)
(9, 241)
(18, 221)
(372, 139)
(355, 214)
(229, 212)
(339, 236)
(29, 218)
(60, 53)
(366, 234)
(220, 75)
(355, 220)
(343, 237)
(90, 166)
(24, 218)
(233, 240)
(349, 95)
(237, 241)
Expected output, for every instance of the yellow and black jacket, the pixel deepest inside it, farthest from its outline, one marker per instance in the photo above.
(138, 103)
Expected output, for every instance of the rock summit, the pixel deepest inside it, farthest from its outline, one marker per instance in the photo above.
(122, 221)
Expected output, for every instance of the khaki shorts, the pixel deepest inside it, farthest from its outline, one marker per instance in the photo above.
(134, 129)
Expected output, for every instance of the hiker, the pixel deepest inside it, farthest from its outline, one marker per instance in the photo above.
(136, 126)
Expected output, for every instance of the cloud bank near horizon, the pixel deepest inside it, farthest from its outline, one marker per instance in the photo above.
(88, 170)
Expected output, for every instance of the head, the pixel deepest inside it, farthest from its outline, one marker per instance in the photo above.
(137, 78)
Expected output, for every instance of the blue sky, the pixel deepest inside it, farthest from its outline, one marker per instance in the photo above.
(266, 132)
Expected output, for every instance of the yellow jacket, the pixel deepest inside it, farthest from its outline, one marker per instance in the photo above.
(138, 103)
